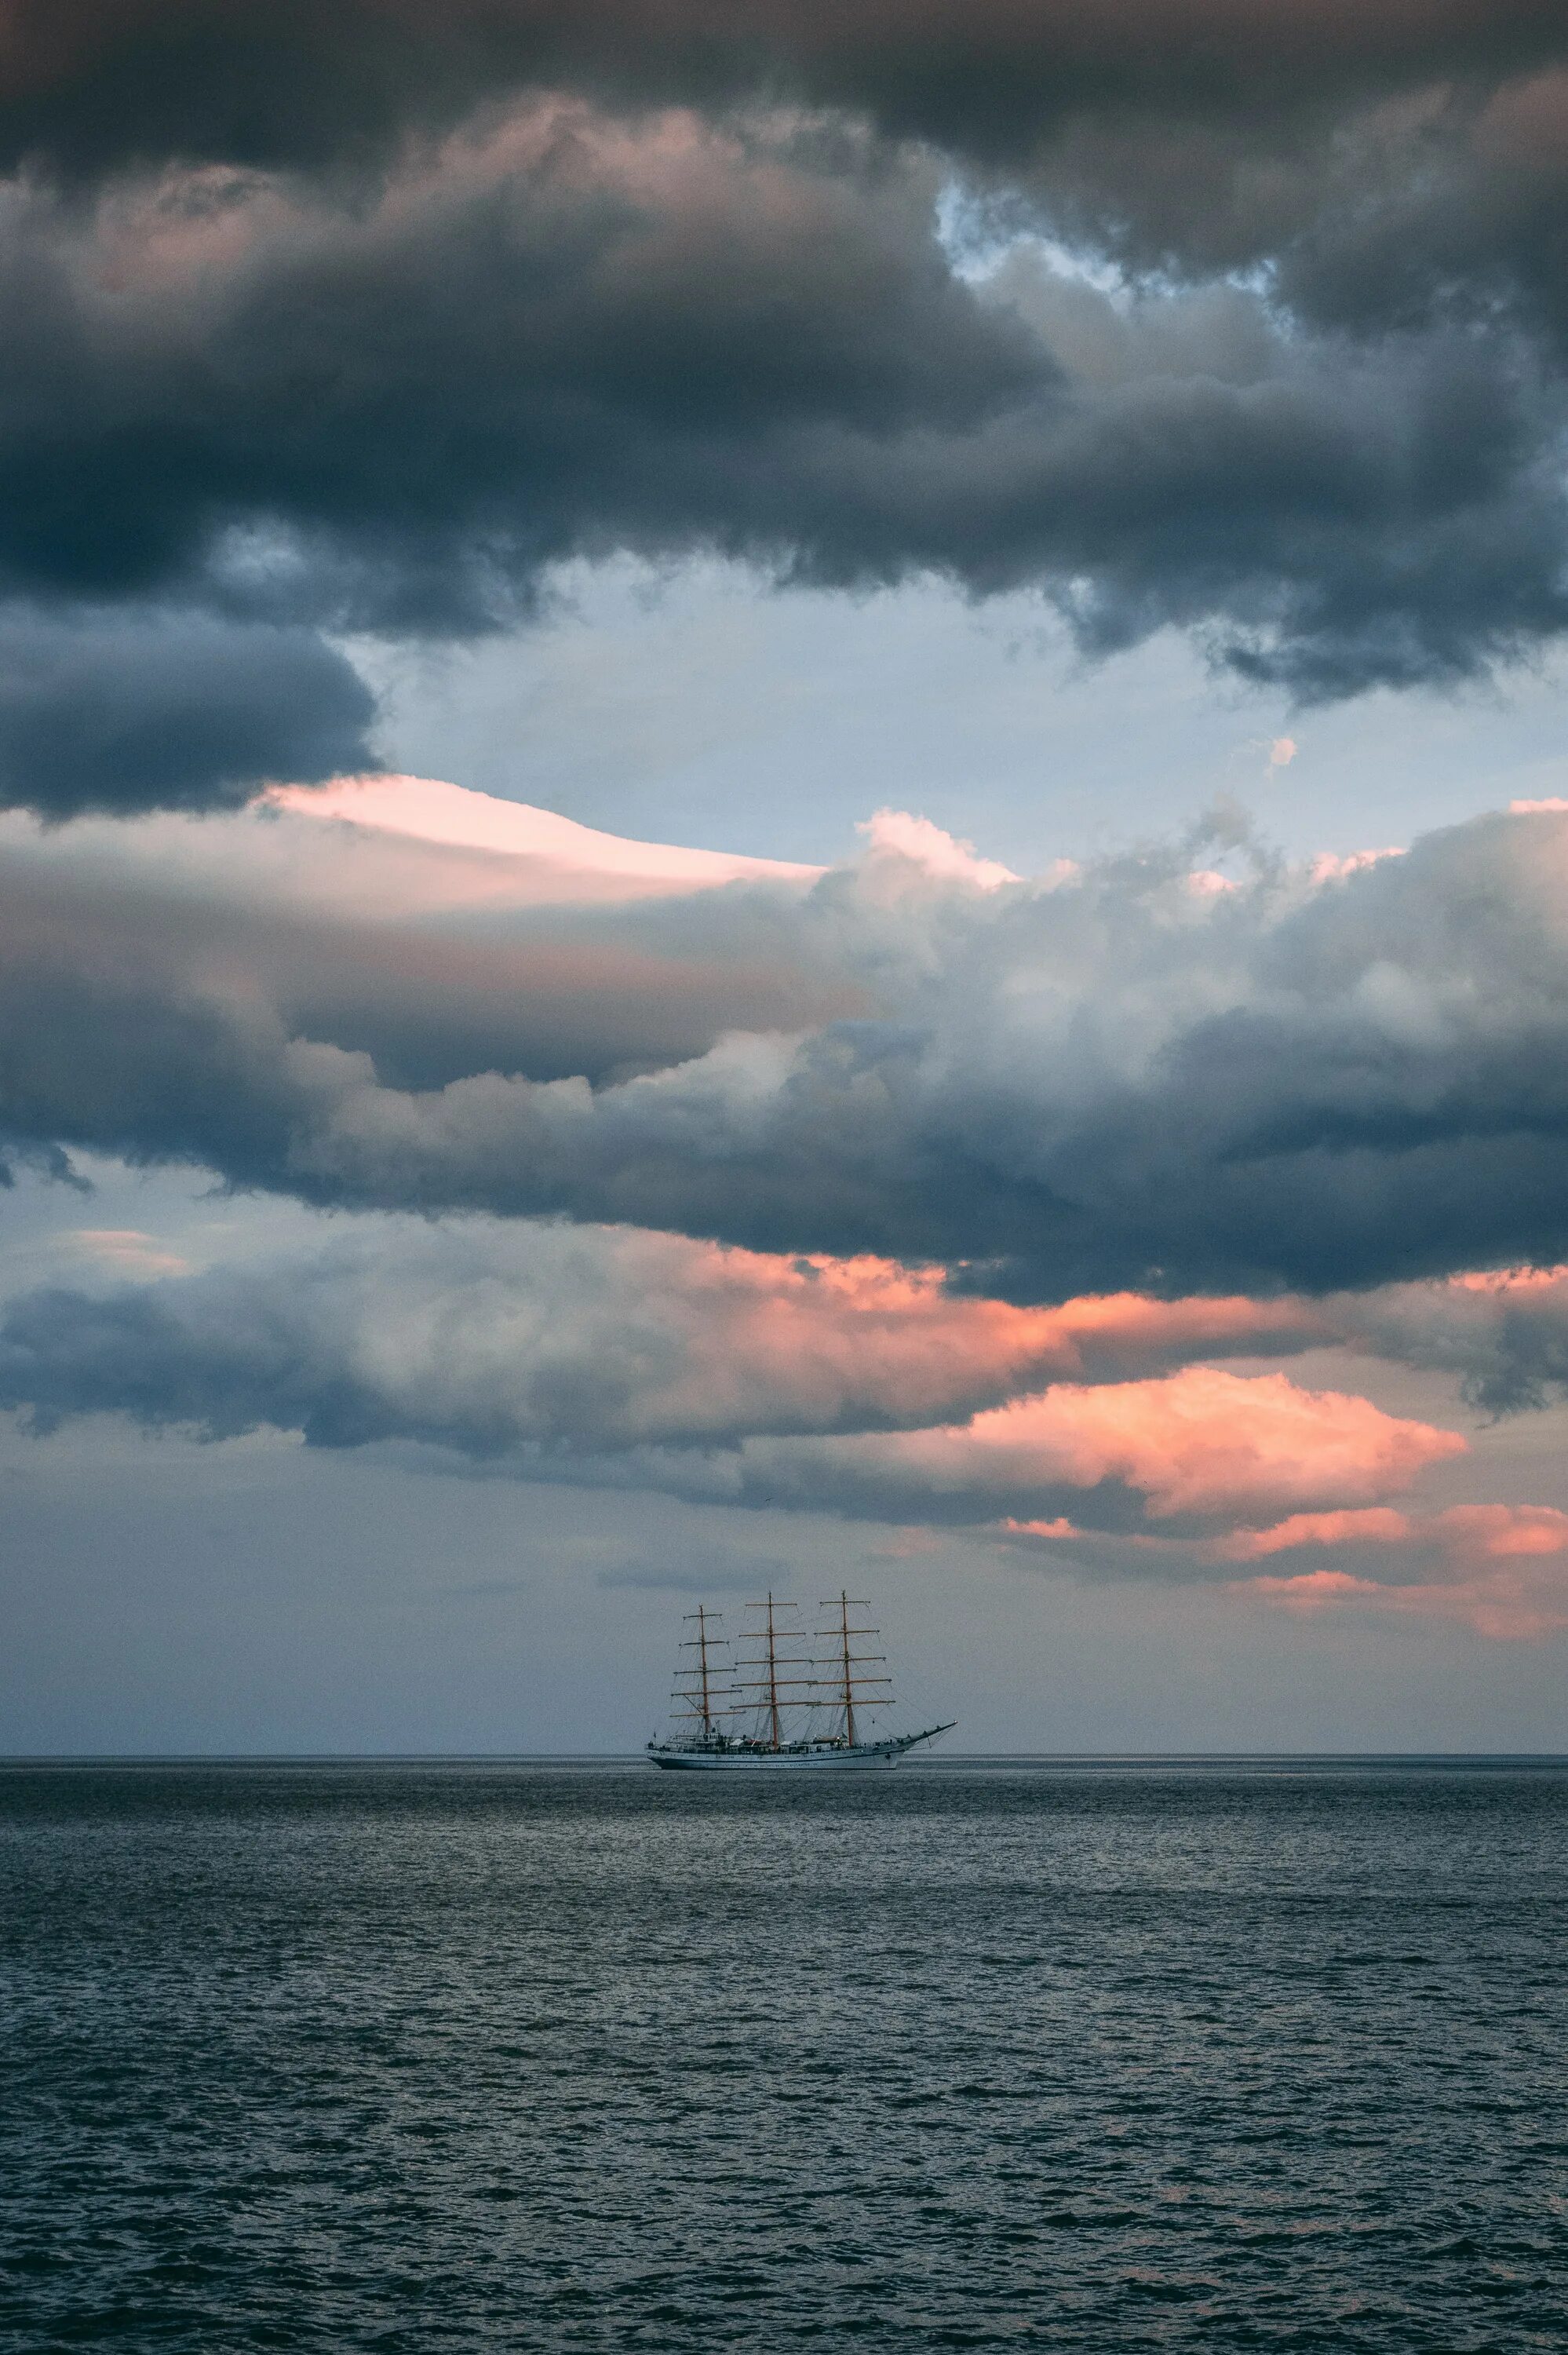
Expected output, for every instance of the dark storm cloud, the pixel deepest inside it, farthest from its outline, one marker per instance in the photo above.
(571, 336)
(1373, 156)
(1121, 1081)
(90, 85)
(115, 712)
(366, 317)
(566, 339)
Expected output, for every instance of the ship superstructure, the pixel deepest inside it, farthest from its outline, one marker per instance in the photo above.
(791, 1706)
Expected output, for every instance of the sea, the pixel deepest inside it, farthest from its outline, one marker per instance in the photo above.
(1110, 2055)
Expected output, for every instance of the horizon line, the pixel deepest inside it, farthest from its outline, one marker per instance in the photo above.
(632, 1757)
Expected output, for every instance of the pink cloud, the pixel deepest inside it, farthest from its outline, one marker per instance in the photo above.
(896, 836)
(1499, 1569)
(1098, 1334)
(122, 1251)
(1200, 1443)
(617, 1338)
(814, 1341)
(1379, 1524)
(1465, 1533)
(819, 1384)
(1203, 1442)
(1332, 866)
(1313, 1589)
(565, 860)
(1505, 1279)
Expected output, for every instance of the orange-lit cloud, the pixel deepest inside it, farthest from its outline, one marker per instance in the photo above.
(1203, 1441)
(1200, 1445)
(1499, 1569)
(855, 1386)
(870, 1336)
(493, 1332)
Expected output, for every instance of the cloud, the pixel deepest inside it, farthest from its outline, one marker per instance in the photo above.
(715, 1376)
(125, 712)
(92, 90)
(487, 1337)
(1099, 1083)
(899, 841)
(565, 860)
(1500, 1569)
(1084, 1434)
(1504, 1336)
(563, 335)
(123, 1251)
(1198, 1446)
(395, 401)
(432, 957)
(1331, 867)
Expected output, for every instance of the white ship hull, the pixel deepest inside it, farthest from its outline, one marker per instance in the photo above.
(771, 1762)
(837, 1758)
(769, 1739)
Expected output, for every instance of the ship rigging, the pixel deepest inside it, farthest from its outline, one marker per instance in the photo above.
(776, 1717)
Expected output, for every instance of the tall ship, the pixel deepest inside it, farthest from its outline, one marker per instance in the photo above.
(797, 1709)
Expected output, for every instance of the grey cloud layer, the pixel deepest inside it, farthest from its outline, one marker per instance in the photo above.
(232, 983)
(579, 1342)
(570, 335)
(1119, 1081)
(574, 337)
(636, 1359)
(114, 712)
(86, 86)
(1507, 1343)
(320, 371)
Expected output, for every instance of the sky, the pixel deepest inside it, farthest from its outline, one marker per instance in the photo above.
(783, 803)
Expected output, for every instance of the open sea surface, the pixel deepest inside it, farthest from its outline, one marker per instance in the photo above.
(1176, 2056)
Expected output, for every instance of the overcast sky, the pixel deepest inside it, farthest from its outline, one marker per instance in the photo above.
(777, 808)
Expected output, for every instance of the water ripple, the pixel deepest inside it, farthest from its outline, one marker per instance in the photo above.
(413, 2058)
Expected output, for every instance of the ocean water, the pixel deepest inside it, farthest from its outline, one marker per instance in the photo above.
(462, 2057)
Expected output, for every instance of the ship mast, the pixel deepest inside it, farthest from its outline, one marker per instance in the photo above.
(854, 1682)
(702, 1643)
(770, 1688)
(846, 1662)
(772, 1674)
